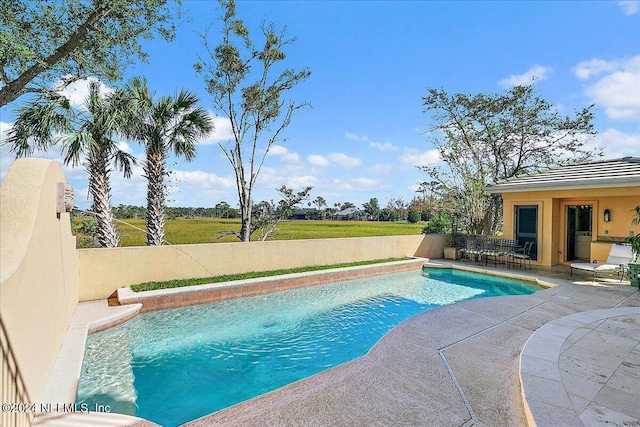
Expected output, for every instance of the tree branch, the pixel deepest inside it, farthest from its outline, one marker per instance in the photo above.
(15, 88)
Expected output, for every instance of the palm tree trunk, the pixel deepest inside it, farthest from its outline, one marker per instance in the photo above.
(154, 172)
(100, 190)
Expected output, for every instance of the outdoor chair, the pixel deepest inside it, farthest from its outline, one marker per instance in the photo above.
(473, 250)
(619, 257)
(494, 249)
(522, 256)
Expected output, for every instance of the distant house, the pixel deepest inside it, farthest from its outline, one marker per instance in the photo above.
(304, 213)
(572, 212)
(347, 214)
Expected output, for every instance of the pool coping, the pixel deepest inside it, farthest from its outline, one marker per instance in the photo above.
(546, 282)
(161, 299)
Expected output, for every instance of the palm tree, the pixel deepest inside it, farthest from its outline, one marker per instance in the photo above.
(161, 126)
(87, 135)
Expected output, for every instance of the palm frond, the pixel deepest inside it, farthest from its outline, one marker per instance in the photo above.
(124, 162)
(37, 124)
(74, 145)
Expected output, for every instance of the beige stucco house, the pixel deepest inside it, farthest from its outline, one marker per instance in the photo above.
(572, 212)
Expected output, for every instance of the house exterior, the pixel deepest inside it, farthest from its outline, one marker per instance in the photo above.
(305, 213)
(347, 214)
(574, 212)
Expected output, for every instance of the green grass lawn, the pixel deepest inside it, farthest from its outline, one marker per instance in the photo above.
(205, 230)
(152, 286)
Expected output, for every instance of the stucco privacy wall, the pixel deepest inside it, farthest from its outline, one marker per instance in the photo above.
(38, 269)
(102, 271)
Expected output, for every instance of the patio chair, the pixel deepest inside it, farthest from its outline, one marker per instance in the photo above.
(619, 257)
(522, 256)
(473, 251)
(494, 248)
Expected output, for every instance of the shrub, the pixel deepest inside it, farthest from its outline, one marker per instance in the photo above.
(413, 216)
(437, 224)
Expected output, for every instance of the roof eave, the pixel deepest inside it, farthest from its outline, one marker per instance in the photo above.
(506, 188)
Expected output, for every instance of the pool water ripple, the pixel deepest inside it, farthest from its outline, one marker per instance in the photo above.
(176, 365)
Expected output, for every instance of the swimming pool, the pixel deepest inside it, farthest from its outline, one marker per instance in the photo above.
(173, 366)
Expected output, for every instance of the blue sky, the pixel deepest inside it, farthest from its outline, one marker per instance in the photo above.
(371, 63)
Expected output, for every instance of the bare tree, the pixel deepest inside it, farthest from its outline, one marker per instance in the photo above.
(248, 90)
(267, 215)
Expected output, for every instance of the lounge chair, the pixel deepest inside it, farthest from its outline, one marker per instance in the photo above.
(619, 257)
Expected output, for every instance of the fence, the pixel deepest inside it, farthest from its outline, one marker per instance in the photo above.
(16, 405)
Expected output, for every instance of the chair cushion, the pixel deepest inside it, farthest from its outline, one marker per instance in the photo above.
(620, 254)
(589, 266)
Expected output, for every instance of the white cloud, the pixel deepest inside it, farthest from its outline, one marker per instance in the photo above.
(293, 174)
(278, 150)
(617, 144)
(221, 131)
(359, 184)
(6, 157)
(285, 155)
(78, 91)
(356, 137)
(629, 7)
(537, 72)
(344, 160)
(367, 183)
(384, 146)
(202, 179)
(381, 169)
(124, 146)
(298, 182)
(587, 69)
(412, 158)
(290, 158)
(617, 88)
(317, 160)
(126, 191)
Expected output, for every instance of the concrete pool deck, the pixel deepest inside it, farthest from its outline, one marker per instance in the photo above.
(572, 351)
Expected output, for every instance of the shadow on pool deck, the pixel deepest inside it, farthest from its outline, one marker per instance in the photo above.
(459, 365)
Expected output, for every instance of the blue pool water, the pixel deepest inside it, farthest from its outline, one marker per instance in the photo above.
(173, 366)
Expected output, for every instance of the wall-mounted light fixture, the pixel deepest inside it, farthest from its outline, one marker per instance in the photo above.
(607, 215)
